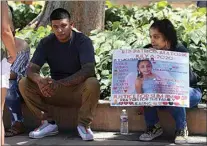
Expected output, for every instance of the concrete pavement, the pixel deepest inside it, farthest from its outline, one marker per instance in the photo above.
(101, 138)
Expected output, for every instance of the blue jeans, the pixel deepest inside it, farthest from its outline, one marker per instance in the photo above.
(178, 113)
(13, 102)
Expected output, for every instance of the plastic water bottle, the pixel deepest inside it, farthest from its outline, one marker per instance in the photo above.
(124, 122)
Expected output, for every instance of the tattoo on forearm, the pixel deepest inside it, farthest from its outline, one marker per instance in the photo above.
(33, 68)
(33, 71)
(87, 70)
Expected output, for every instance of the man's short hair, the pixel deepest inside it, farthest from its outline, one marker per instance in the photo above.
(59, 13)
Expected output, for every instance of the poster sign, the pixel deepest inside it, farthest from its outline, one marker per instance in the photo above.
(149, 77)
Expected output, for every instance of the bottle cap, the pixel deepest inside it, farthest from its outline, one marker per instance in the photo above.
(124, 110)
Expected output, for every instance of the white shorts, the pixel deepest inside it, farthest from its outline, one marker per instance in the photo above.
(5, 73)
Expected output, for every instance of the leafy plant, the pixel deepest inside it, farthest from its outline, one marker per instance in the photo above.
(128, 27)
(33, 37)
(23, 13)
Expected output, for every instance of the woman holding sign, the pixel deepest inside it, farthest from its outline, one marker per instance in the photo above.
(163, 37)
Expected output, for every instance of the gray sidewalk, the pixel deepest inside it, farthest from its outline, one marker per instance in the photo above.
(101, 138)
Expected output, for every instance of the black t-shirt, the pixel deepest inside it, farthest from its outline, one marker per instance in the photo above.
(64, 59)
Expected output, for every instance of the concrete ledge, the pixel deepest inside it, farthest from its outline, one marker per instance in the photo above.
(107, 119)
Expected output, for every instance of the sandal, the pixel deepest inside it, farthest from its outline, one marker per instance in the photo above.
(16, 129)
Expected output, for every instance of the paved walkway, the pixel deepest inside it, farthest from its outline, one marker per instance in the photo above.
(101, 138)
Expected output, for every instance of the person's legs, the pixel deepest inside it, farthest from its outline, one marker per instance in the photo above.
(152, 122)
(3, 95)
(13, 102)
(150, 116)
(4, 80)
(37, 105)
(34, 99)
(14, 105)
(85, 95)
(90, 94)
(179, 115)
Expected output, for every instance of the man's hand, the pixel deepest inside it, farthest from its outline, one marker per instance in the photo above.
(44, 84)
(48, 86)
(11, 59)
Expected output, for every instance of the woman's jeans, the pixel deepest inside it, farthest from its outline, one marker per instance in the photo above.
(13, 101)
(178, 113)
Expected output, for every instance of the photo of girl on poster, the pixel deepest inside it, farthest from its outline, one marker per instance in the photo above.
(146, 81)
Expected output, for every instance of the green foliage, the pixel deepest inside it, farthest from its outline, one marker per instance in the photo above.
(23, 14)
(128, 27)
(33, 37)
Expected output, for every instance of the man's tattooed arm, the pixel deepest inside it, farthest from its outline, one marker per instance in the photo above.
(87, 70)
(33, 72)
(46, 85)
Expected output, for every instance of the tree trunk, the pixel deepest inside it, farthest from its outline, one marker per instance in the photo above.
(86, 15)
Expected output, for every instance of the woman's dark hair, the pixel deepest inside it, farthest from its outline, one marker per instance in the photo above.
(59, 13)
(139, 74)
(166, 28)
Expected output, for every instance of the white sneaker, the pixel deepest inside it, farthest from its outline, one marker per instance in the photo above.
(182, 136)
(151, 133)
(46, 129)
(85, 133)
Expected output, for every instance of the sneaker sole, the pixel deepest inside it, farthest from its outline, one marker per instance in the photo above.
(50, 134)
(149, 139)
(90, 139)
(87, 139)
(181, 142)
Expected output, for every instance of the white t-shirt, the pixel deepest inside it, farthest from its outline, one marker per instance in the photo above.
(5, 73)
